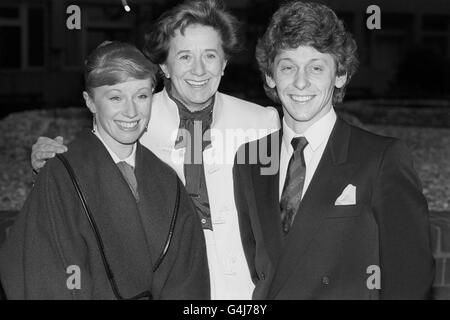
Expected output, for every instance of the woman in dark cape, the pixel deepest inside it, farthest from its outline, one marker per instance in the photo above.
(52, 251)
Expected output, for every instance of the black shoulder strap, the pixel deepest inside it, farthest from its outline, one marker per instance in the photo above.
(87, 212)
(94, 226)
(171, 228)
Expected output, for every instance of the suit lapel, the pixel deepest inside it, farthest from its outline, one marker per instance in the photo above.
(330, 178)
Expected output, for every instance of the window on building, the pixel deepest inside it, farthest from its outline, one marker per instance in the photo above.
(73, 49)
(437, 44)
(401, 22)
(9, 12)
(10, 55)
(22, 29)
(36, 36)
(434, 22)
(99, 23)
(391, 42)
(436, 30)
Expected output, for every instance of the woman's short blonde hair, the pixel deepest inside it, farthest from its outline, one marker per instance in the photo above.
(115, 62)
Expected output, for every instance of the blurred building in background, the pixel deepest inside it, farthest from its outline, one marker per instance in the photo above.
(41, 61)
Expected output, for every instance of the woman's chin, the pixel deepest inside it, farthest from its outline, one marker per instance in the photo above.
(129, 137)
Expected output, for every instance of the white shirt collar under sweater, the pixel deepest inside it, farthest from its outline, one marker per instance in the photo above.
(131, 159)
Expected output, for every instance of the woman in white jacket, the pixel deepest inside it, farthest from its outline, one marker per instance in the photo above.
(197, 130)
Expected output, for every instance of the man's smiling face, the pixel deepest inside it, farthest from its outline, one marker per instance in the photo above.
(304, 79)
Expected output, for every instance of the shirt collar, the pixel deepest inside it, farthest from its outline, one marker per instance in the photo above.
(317, 134)
(131, 159)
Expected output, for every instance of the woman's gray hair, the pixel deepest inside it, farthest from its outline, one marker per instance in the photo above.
(210, 13)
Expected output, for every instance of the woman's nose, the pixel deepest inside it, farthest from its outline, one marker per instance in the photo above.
(130, 109)
(199, 67)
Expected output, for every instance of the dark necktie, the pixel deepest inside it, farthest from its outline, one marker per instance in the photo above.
(293, 186)
(196, 125)
(128, 173)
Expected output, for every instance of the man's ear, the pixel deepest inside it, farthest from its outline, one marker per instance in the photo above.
(89, 103)
(340, 81)
(165, 70)
(270, 82)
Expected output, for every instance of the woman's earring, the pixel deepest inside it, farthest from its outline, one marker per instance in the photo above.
(94, 123)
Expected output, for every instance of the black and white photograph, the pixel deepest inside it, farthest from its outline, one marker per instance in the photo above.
(225, 150)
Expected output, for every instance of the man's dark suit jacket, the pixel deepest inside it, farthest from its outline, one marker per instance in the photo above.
(328, 251)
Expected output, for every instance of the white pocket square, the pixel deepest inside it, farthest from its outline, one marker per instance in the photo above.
(347, 197)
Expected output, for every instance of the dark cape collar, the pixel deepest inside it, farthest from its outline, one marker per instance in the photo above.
(115, 211)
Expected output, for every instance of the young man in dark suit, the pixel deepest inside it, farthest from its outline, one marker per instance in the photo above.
(326, 210)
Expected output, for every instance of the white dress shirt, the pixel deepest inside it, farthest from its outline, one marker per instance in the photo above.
(317, 136)
(131, 159)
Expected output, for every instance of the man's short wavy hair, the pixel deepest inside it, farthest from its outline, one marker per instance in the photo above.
(210, 13)
(311, 24)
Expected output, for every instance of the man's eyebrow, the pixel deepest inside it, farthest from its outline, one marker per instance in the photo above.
(309, 61)
(283, 59)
